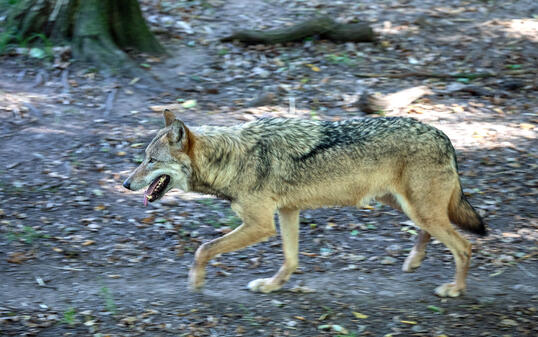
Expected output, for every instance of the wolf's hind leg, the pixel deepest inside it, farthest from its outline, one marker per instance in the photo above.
(432, 216)
(258, 225)
(289, 230)
(415, 257)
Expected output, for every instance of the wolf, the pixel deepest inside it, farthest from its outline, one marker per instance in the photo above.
(287, 165)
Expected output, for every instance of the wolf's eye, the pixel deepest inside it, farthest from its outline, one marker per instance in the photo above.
(152, 160)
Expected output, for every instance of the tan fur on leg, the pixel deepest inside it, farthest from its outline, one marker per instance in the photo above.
(415, 257)
(289, 230)
(257, 226)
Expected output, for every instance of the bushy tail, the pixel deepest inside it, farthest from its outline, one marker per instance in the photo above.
(461, 213)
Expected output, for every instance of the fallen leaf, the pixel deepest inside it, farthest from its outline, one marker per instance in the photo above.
(435, 308)
(302, 289)
(409, 322)
(148, 220)
(334, 327)
(129, 320)
(339, 328)
(313, 67)
(88, 242)
(20, 257)
(359, 315)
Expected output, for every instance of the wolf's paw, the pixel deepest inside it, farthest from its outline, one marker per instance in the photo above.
(413, 261)
(196, 279)
(263, 285)
(448, 290)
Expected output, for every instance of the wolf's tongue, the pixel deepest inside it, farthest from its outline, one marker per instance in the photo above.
(150, 190)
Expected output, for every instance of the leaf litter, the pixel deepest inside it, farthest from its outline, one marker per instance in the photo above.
(492, 124)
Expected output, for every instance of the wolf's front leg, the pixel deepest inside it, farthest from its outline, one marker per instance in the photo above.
(289, 230)
(258, 225)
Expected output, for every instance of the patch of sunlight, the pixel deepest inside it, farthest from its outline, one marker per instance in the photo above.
(488, 134)
(518, 28)
(9, 98)
(39, 130)
(14, 103)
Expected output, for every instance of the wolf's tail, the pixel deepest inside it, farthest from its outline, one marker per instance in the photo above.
(461, 213)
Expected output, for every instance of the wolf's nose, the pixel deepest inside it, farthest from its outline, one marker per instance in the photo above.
(127, 184)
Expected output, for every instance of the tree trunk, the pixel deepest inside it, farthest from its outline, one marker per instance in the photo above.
(98, 31)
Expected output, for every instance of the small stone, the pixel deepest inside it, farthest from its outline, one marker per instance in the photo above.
(388, 260)
(277, 303)
(171, 202)
(417, 328)
(394, 250)
(525, 288)
(291, 324)
(18, 184)
(261, 72)
(486, 300)
(93, 227)
(21, 215)
(508, 322)
(356, 258)
(387, 293)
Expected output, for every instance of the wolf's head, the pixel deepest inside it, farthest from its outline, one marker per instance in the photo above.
(166, 164)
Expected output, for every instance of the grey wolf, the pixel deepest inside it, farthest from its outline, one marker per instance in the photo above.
(287, 165)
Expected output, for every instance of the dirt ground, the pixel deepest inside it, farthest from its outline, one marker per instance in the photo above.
(80, 256)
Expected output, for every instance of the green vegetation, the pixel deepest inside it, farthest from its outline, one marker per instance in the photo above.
(28, 235)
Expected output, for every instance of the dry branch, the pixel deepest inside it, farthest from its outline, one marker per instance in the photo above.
(375, 102)
(323, 26)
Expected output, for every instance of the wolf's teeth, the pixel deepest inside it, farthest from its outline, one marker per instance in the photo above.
(149, 197)
(162, 179)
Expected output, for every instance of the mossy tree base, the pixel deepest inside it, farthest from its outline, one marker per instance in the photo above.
(323, 26)
(99, 31)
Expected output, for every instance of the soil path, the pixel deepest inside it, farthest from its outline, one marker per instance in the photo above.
(81, 256)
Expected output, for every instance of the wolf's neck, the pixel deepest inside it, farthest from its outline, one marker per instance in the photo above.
(216, 156)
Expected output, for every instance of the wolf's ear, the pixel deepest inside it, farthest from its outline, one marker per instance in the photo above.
(169, 117)
(177, 131)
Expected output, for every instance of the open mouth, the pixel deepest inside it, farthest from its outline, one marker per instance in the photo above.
(156, 189)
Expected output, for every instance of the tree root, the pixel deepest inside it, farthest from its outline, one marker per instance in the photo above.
(470, 76)
(323, 26)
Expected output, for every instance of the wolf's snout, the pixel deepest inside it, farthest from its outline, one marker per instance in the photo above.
(127, 183)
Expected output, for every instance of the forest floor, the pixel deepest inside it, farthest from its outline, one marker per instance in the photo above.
(81, 256)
